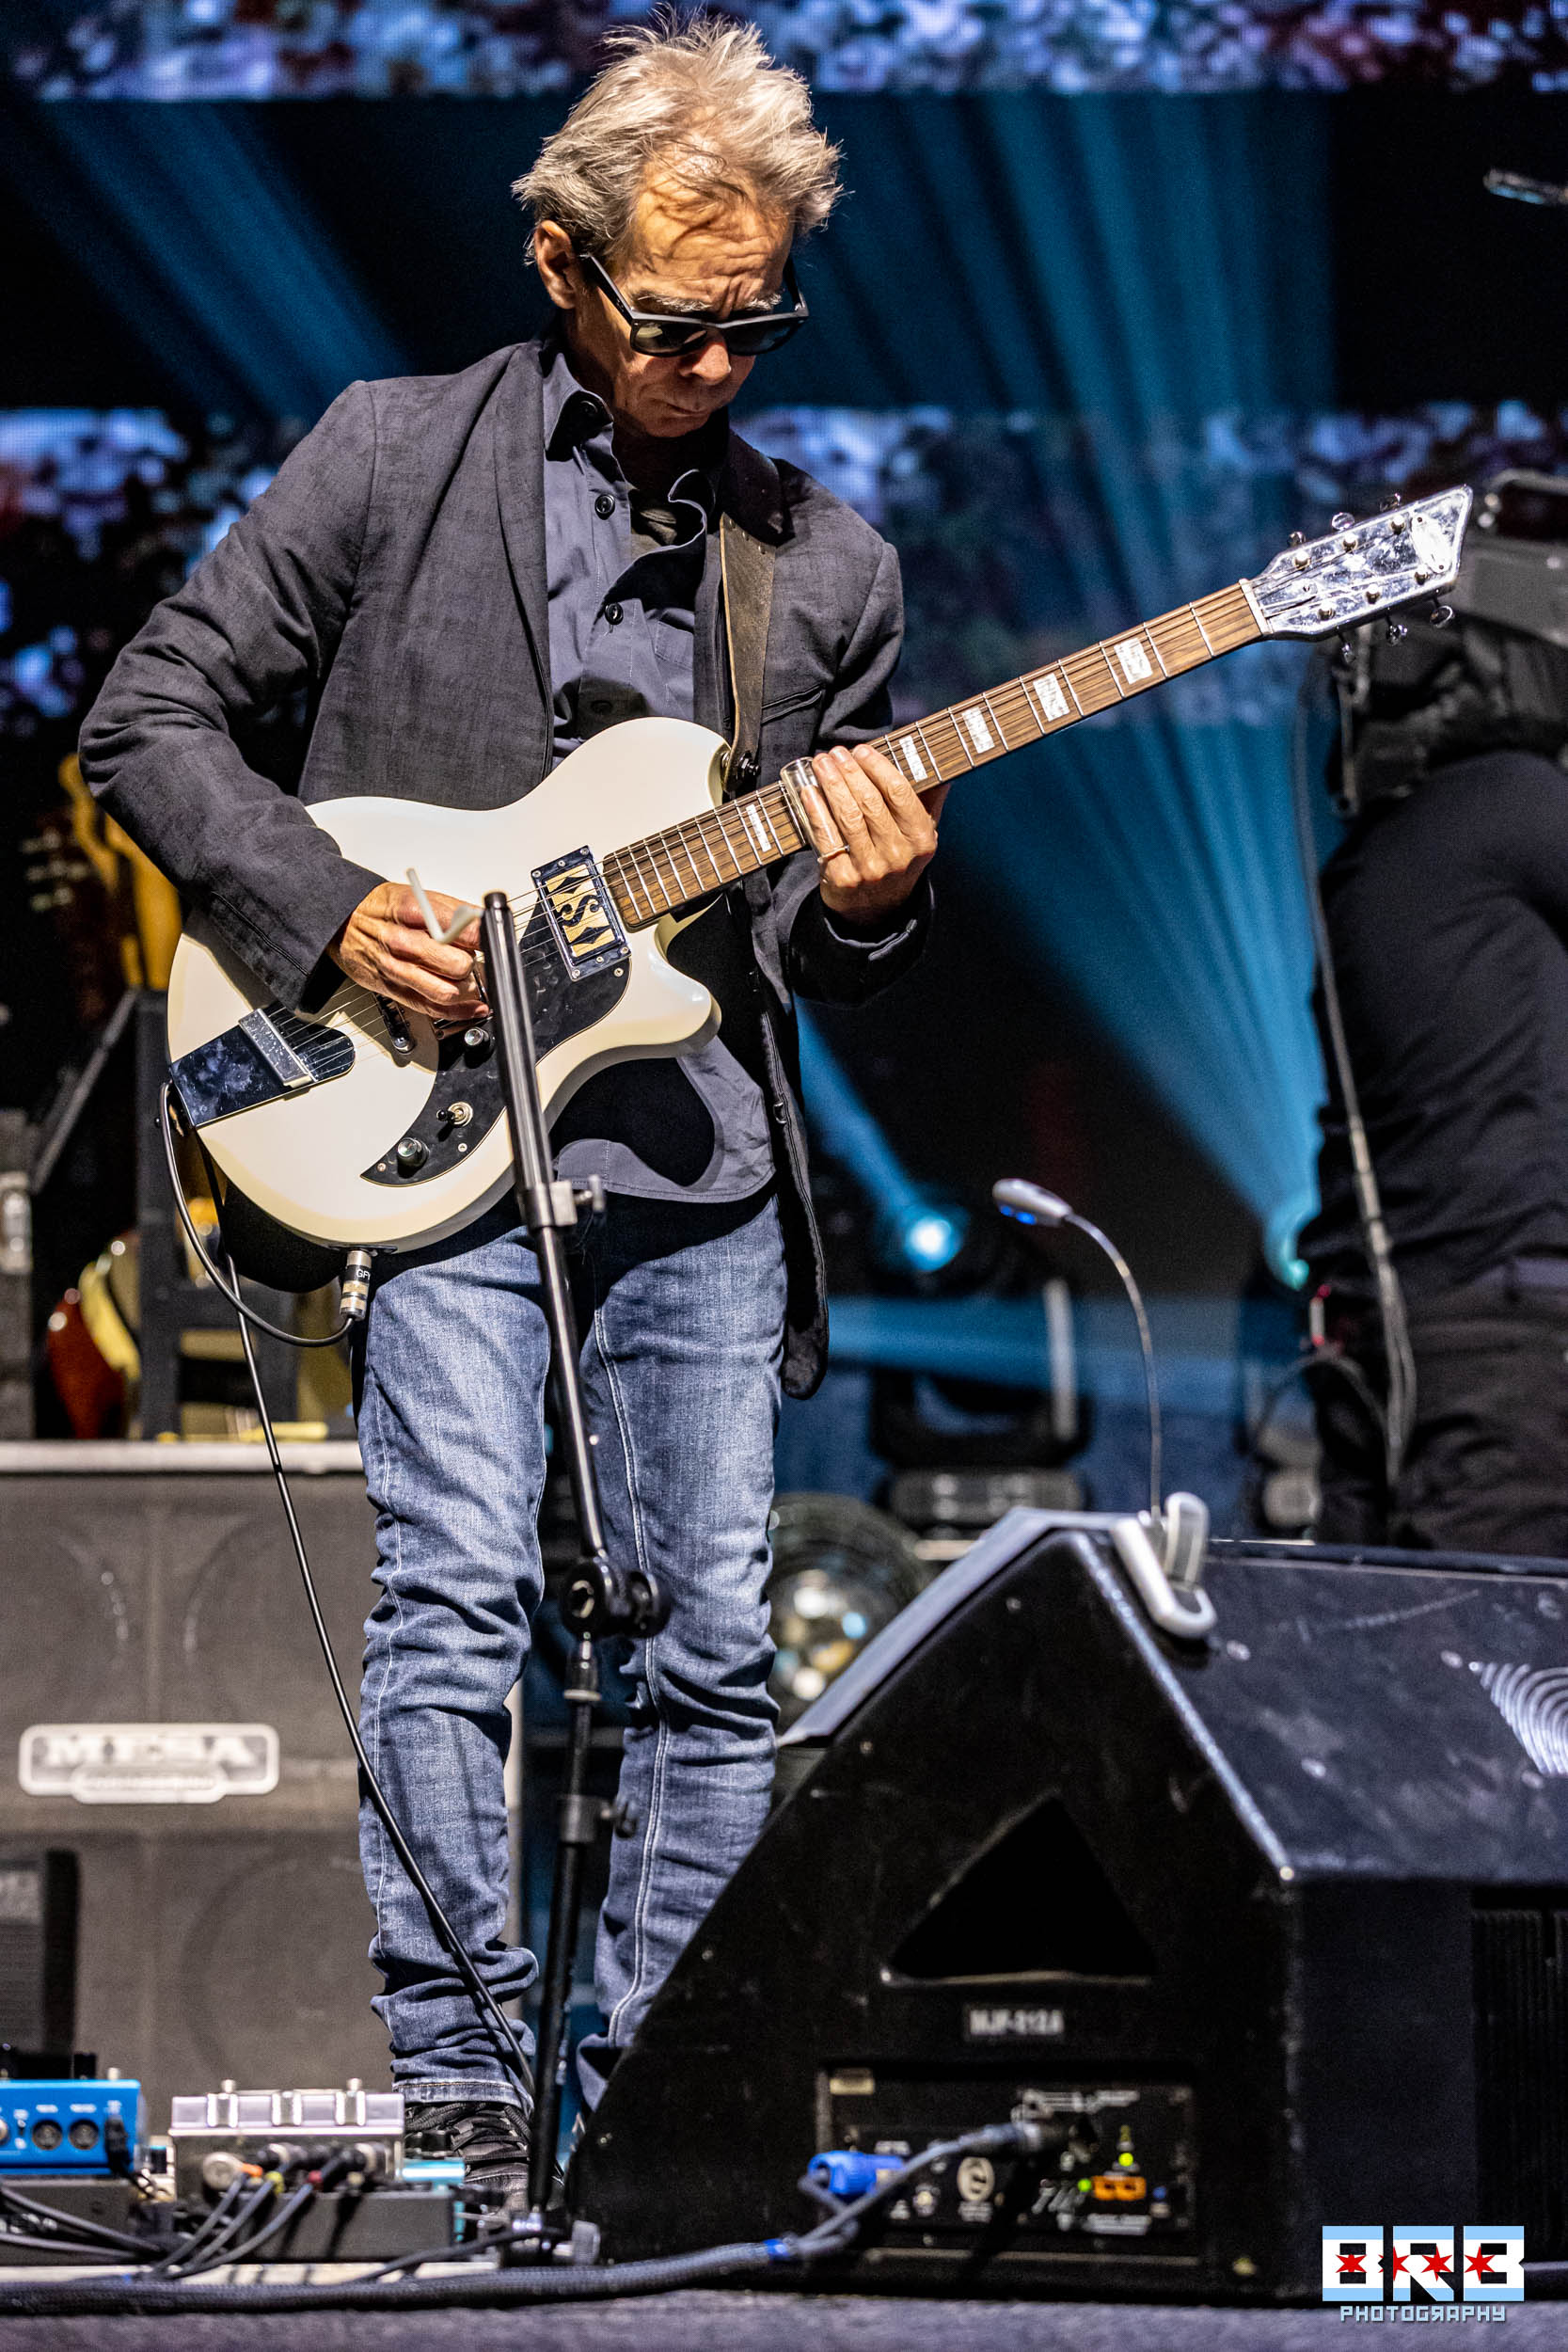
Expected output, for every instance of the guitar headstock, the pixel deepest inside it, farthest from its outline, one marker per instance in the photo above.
(1362, 568)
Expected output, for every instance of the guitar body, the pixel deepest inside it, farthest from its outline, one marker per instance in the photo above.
(323, 1157)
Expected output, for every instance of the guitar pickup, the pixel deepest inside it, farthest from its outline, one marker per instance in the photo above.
(581, 914)
(257, 1062)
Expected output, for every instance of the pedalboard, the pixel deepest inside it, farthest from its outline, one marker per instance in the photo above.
(1121, 2177)
(70, 2124)
(341, 2226)
(215, 2134)
(64, 2139)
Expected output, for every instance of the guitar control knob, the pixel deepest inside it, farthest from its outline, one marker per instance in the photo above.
(475, 1041)
(411, 1156)
(1440, 615)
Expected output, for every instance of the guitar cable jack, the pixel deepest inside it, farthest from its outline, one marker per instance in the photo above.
(354, 1297)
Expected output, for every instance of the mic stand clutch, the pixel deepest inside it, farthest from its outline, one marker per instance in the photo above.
(601, 1597)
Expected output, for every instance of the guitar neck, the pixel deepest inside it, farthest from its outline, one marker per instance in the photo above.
(667, 870)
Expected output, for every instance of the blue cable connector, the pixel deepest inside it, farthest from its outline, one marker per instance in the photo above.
(848, 2171)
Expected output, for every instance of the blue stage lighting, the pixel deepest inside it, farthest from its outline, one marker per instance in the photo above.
(915, 1231)
(1280, 1238)
(930, 1237)
(190, 222)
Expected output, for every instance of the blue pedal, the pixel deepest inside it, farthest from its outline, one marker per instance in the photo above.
(60, 2125)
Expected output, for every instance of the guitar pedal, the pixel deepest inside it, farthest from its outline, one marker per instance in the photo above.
(60, 2124)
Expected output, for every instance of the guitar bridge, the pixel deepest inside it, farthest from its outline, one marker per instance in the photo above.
(268, 1054)
(581, 914)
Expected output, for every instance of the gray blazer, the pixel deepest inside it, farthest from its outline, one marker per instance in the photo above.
(394, 573)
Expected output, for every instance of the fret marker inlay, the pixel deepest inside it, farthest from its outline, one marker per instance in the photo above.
(979, 733)
(1049, 694)
(912, 760)
(1135, 663)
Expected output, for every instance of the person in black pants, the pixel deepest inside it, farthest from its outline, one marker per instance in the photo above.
(1447, 908)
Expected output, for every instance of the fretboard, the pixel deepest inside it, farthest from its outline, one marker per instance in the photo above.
(667, 870)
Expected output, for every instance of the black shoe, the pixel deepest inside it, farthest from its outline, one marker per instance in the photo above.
(491, 2137)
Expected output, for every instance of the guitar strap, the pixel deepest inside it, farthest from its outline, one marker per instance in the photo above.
(746, 576)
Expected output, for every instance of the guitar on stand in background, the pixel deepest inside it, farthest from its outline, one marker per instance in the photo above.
(358, 1125)
(140, 1300)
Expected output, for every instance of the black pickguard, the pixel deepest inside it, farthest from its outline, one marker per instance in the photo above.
(561, 1007)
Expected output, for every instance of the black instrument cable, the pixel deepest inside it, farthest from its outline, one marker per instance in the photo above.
(1399, 1417)
(249, 2248)
(202, 2234)
(1310, 1362)
(73, 2228)
(327, 2176)
(534, 2283)
(189, 2264)
(228, 1290)
(509, 2049)
(84, 2251)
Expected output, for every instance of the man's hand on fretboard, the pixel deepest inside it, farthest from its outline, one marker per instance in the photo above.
(874, 834)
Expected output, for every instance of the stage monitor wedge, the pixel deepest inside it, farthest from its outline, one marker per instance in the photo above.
(1271, 1926)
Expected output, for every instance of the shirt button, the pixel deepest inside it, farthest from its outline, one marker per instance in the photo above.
(613, 616)
(604, 506)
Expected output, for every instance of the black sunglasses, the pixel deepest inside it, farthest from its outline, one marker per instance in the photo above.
(660, 336)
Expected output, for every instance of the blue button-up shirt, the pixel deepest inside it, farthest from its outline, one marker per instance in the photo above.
(622, 621)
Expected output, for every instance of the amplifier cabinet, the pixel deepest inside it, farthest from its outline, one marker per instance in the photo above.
(166, 1724)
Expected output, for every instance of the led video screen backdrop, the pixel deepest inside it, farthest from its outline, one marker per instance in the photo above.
(999, 523)
(256, 49)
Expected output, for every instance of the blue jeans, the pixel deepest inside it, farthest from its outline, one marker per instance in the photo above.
(681, 1317)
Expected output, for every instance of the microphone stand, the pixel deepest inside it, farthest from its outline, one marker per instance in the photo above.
(600, 1598)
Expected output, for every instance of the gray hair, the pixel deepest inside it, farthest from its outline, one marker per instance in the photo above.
(705, 97)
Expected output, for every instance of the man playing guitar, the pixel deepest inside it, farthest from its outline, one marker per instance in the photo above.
(469, 576)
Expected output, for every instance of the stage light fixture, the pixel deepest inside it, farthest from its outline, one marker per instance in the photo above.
(930, 1235)
(916, 1232)
(841, 1572)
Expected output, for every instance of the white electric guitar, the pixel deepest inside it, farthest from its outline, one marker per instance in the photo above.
(357, 1125)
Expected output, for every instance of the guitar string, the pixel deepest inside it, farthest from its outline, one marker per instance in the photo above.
(1016, 698)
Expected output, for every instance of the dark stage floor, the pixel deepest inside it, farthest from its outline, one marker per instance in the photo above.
(754, 2323)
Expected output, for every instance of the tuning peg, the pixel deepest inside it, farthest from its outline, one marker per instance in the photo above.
(1396, 629)
(1343, 521)
(1298, 538)
(1440, 615)
(1386, 506)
